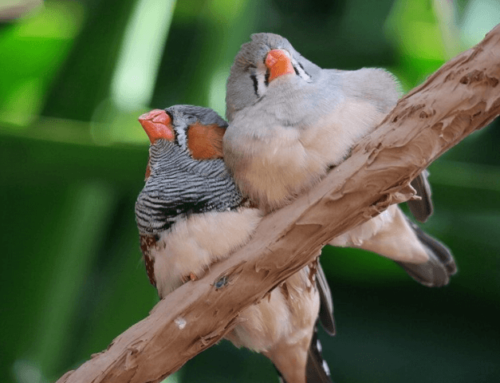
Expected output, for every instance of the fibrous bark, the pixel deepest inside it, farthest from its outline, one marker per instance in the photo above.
(461, 97)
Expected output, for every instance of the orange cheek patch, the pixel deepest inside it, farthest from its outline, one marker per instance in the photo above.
(205, 141)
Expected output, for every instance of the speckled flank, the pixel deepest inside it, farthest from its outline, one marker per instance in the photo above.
(147, 243)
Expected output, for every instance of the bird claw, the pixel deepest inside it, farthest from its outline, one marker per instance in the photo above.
(190, 277)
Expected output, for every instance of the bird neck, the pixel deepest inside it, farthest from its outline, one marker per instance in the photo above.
(179, 186)
(167, 158)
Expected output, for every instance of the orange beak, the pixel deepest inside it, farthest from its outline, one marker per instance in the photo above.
(157, 124)
(279, 63)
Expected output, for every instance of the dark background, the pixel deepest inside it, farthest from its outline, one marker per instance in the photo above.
(74, 77)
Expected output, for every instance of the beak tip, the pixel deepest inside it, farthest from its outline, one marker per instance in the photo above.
(156, 123)
(152, 114)
(279, 63)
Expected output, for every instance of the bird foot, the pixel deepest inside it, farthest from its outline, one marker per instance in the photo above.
(190, 277)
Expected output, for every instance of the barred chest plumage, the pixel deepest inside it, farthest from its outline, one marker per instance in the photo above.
(180, 186)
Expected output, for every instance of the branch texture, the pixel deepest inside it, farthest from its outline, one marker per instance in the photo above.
(461, 97)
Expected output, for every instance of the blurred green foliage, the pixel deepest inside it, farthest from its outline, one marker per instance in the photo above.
(75, 75)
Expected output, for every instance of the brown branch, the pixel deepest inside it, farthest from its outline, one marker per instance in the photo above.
(461, 97)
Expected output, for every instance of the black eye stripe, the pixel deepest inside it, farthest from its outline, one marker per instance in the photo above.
(296, 70)
(266, 78)
(255, 84)
(301, 67)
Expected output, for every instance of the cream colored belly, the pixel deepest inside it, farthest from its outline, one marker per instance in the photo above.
(286, 161)
(198, 241)
(287, 315)
(277, 173)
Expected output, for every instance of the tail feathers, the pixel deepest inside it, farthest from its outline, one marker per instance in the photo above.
(421, 209)
(326, 302)
(280, 377)
(438, 269)
(317, 370)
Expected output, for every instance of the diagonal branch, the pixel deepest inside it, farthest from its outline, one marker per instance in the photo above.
(461, 97)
